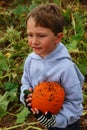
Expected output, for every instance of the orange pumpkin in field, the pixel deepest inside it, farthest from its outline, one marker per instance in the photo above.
(48, 96)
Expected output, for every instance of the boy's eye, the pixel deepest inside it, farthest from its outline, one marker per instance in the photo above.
(38, 35)
(42, 35)
(30, 35)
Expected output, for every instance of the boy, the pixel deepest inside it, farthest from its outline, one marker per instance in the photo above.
(50, 61)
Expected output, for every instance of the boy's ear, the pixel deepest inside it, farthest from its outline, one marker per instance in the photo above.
(59, 37)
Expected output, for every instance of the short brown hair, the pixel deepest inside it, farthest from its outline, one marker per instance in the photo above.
(48, 16)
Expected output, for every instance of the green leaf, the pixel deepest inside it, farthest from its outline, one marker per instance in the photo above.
(3, 104)
(83, 65)
(3, 112)
(5, 99)
(66, 15)
(13, 95)
(22, 115)
(20, 10)
(9, 86)
(72, 46)
(3, 63)
(1, 73)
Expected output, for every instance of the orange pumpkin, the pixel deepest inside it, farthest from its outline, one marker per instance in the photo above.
(48, 96)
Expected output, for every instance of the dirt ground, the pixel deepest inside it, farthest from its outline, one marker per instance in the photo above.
(8, 123)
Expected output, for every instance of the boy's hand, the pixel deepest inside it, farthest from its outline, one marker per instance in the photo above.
(47, 119)
(28, 98)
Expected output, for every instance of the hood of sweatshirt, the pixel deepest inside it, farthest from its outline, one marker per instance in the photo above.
(59, 53)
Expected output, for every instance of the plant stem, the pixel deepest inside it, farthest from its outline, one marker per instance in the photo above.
(28, 124)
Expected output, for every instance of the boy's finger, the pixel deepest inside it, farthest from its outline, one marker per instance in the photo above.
(30, 89)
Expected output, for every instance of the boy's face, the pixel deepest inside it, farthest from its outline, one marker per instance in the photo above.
(41, 40)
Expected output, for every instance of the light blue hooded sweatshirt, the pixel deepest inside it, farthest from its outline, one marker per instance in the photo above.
(57, 67)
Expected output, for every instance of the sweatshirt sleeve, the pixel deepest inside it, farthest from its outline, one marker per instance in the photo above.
(72, 108)
(25, 80)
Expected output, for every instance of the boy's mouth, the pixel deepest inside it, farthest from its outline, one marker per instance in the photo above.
(37, 48)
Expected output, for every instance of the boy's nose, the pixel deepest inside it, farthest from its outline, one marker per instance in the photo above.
(34, 40)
